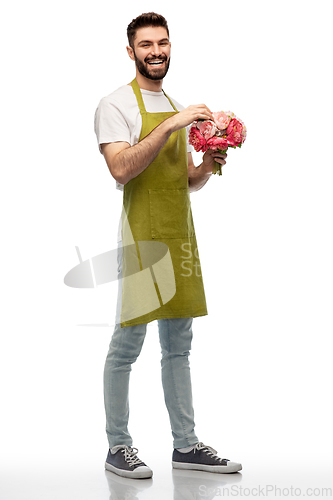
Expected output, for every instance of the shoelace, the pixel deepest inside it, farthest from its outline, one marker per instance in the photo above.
(209, 450)
(129, 454)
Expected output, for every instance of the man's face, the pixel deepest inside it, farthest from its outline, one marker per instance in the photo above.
(151, 52)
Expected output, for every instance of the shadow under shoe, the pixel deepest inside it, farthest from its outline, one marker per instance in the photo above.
(126, 488)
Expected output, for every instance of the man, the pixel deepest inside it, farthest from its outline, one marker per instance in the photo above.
(142, 134)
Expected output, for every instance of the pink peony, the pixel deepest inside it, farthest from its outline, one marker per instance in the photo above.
(234, 139)
(221, 120)
(235, 125)
(216, 143)
(230, 115)
(207, 128)
(197, 140)
(244, 133)
(235, 133)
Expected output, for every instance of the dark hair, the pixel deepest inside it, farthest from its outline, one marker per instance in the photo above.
(143, 21)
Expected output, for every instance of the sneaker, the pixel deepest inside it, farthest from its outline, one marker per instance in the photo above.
(123, 460)
(203, 458)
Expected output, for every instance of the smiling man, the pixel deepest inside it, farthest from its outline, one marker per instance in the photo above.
(142, 134)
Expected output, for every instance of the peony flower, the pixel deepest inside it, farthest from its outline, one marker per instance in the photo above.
(230, 115)
(197, 140)
(207, 128)
(235, 125)
(234, 140)
(218, 143)
(244, 132)
(221, 119)
(235, 131)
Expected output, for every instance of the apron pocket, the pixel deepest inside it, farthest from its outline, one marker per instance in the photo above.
(170, 213)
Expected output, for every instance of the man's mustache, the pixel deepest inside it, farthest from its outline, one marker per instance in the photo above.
(161, 58)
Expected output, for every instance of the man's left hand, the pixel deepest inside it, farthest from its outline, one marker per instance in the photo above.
(209, 157)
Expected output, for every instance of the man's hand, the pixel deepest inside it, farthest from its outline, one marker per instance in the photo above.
(198, 176)
(208, 160)
(189, 115)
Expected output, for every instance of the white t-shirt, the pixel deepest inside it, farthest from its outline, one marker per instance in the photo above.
(118, 118)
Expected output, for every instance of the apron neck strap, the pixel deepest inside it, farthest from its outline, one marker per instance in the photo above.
(172, 104)
(138, 95)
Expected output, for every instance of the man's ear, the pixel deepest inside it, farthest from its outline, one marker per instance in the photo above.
(130, 52)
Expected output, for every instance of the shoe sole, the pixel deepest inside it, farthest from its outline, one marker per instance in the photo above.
(142, 472)
(221, 469)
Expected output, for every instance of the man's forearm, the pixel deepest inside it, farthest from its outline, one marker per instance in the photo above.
(130, 162)
(197, 178)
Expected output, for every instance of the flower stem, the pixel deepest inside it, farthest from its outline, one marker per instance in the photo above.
(217, 169)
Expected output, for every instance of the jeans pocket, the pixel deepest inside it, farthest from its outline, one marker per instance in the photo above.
(170, 213)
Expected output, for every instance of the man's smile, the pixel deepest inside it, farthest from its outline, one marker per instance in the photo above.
(155, 62)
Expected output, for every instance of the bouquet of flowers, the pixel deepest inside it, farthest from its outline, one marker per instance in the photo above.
(226, 131)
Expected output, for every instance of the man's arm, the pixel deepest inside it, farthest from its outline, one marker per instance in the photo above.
(126, 162)
(198, 176)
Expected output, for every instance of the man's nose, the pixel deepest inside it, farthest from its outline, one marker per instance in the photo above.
(156, 49)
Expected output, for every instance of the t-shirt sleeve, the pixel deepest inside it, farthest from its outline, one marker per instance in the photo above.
(189, 147)
(110, 124)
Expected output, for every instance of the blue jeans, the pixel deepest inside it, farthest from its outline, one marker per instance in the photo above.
(175, 338)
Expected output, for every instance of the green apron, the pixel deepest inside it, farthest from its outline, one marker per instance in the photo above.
(161, 274)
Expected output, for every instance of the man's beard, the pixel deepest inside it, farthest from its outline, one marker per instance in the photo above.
(156, 74)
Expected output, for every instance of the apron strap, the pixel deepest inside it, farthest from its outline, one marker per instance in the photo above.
(172, 104)
(138, 95)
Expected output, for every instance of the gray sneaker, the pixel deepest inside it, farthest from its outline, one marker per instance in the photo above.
(123, 460)
(203, 458)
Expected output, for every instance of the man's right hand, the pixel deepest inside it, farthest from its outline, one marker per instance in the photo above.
(189, 115)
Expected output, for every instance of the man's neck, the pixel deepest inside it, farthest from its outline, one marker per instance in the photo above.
(147, 84)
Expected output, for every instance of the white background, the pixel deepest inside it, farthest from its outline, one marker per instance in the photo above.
(261, 359)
